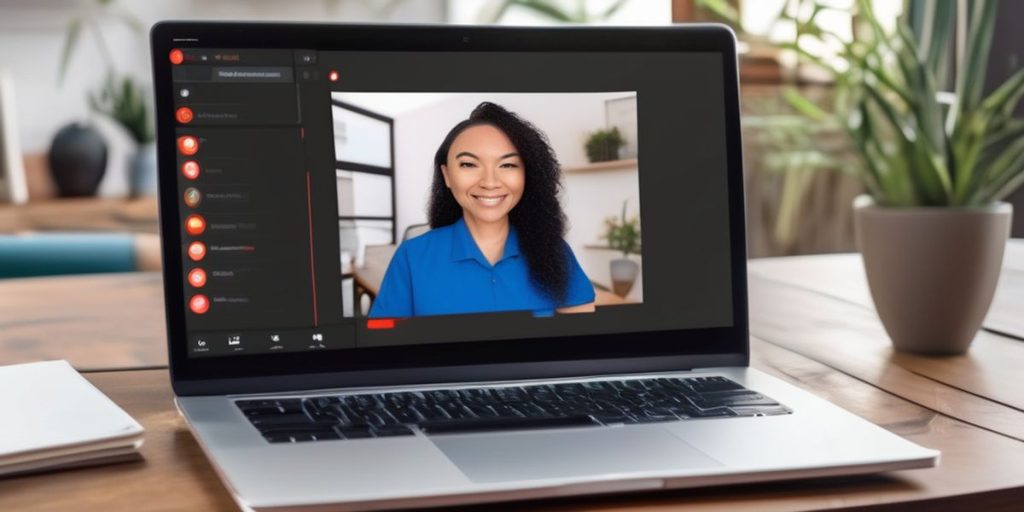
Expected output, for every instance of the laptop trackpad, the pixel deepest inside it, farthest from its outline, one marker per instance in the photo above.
(511, 456)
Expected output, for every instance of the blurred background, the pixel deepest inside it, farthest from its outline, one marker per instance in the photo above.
(77, 164)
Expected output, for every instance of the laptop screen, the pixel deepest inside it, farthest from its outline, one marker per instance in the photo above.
(330, 201)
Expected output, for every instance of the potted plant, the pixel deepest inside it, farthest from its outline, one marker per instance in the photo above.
(603, 145)
(937, 166)
(623, 235)
(124, 101)
(121, 98)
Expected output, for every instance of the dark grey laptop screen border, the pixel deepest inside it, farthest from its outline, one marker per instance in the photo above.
(542, 358)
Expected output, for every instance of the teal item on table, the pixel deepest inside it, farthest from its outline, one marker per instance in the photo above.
(46, 254)
(443, 272)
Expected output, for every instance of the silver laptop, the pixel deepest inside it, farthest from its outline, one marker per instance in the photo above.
(412, 266)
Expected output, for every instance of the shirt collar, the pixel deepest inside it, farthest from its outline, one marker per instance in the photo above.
(465, 248)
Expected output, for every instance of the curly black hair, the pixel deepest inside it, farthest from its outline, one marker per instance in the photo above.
(538, 217)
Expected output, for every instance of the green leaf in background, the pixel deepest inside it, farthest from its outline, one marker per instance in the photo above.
(803, 105)
(623, 234)
(551, 10)
(70, 43)
(918, 148)
(125, 102)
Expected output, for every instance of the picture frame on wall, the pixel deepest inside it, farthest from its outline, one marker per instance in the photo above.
(621, 113)
(12, 167)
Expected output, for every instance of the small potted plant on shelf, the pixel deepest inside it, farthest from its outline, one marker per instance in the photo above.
(937, 165)
(623, 235)
(604, 145)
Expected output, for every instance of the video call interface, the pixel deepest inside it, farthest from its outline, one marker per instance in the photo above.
(337, 200)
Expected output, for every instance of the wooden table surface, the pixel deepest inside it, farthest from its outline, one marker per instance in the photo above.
(81, 214)
(811, 323)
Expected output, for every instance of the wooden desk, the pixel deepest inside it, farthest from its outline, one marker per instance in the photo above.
(806, 330)
(86, 214)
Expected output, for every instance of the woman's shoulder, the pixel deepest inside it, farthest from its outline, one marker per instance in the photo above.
(434, 239)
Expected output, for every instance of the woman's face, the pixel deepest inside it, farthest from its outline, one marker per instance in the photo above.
(485, 173)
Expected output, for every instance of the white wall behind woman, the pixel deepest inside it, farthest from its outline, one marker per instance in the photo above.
(32, 35)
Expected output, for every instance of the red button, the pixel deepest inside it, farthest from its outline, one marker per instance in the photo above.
(190, 169)
(188, 145)
(380, 323)
(177, 57)
(196, 251)
(195, 225)
(333, 76)
(193, 197)
(199, 304)
(183, 115)
(197, 278)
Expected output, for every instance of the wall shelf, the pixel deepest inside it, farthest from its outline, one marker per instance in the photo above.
(612, 165)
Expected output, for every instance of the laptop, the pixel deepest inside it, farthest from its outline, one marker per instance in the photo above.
(410, 266)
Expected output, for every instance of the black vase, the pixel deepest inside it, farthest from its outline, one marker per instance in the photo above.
(78, 159)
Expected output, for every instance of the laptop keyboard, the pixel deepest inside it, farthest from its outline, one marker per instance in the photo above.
(442, 411)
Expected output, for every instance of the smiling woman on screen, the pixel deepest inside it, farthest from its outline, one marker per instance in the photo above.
(497, 226)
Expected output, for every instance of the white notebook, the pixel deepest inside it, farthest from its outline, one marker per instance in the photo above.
(55, 418)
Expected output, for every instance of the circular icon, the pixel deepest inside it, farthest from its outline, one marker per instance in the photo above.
(188, 145)
(195, 225)
(184, 92)
(196, 251)
(199, 304)
(190, 169)
(177, 56)
(333, 76)
(183, 115)
(192, 197)
(197, 278)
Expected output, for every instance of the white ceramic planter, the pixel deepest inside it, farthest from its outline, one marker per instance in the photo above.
(932, 270)
(624, 274)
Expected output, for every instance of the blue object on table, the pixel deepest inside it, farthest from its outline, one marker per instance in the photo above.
(45, 254)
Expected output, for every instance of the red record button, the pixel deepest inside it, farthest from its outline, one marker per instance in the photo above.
(190, 169)
(197, 278)
(196, 251)
(177, 56)
(183, 115)
(380, 323)
(195, 225)
(188, 145)
(199, 304)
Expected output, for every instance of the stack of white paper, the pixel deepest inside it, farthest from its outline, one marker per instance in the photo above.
(54, 418)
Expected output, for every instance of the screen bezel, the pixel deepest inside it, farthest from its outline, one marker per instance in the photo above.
(486, 360)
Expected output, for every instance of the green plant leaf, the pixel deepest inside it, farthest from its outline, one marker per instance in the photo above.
(1002, 174)
(1000, 104)
(70, 43)
(803, 105)
(936, 30)
(981, 20)
(545, 9)
(722, 9)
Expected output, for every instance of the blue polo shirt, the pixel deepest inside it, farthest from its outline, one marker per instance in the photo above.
(443, 272)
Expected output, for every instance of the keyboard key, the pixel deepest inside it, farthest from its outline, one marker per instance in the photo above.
(392, 430)
(281, 419)
(354, 432)
(497, 424)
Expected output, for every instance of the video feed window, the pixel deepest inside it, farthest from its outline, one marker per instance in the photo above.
(502, 202)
